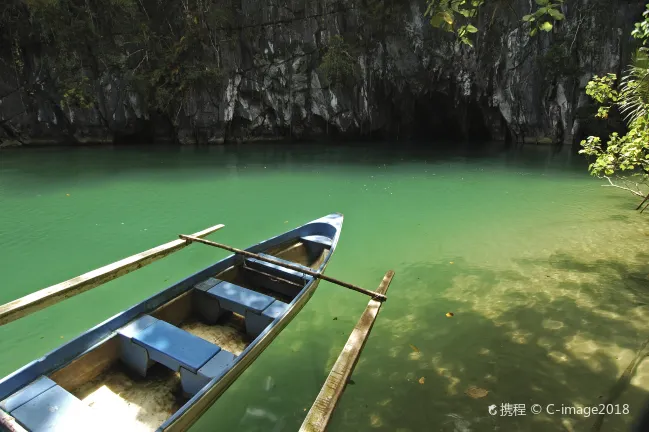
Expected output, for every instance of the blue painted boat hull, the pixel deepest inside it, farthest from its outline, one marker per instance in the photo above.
(274, 312)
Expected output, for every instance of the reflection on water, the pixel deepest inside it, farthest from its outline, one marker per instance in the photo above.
(545, 273)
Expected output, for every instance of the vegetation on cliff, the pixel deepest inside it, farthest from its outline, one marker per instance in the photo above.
(84, 45)
(459, 16)
(165, 49)
(211, 70)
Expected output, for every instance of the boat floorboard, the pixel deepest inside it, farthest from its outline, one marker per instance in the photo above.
(228, 333)
(130, 402)
(143, 404)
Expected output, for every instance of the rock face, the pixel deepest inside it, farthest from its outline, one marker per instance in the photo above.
(410, 81)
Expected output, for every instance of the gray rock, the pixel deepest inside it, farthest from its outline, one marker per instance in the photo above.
(412, 81)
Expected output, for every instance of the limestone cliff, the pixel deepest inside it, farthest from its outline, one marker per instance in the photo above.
(410, 80)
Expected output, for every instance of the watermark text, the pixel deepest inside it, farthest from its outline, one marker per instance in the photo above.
(515, 410)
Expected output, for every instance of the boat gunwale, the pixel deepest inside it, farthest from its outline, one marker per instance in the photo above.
(194, 408)
(61, 356)
(180, 421)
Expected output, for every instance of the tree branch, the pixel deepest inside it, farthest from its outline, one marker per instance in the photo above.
(611, 184)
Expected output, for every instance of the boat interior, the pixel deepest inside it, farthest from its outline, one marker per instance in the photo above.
(148, 369)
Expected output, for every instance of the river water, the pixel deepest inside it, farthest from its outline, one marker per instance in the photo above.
(544, 269)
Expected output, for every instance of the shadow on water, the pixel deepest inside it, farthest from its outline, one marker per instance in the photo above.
(525, 347)
(556, 332)
(89, 163)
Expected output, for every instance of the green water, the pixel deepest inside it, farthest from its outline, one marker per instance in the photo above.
(545, 270)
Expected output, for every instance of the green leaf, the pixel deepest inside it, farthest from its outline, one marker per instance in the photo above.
(546, 26)
(528, 18)
(471, 29)
(542, 2)
(556, 14)
(466, 41)
(436, 21)
(534, 31)
(429, 9)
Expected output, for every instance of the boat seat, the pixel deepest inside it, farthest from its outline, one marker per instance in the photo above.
(45, 406)
(296, 280)
(193, 382)
(149, 339)
(279, 271)
(315, 244)
(318, 239)
(258, 309)
(255, 324)
(238, 299)
(27, 393)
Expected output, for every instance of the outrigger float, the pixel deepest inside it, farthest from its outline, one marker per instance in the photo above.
(162, 363)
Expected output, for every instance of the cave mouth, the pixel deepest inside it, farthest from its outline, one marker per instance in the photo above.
(437, 116)
(139, 132)
(145, 131)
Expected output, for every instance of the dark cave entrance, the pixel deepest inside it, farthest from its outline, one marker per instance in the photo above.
(144, 131)
(137, 131)
(437, 116)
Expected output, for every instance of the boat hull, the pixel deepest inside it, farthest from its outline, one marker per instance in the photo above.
(197, 406)
(80, 353)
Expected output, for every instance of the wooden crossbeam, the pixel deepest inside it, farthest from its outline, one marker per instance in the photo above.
(56, 293)
(374, 294)
(320, 413)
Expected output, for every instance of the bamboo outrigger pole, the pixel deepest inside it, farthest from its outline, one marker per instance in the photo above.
(375, 295)
(48, 296)
(9, 423)
(320, 413)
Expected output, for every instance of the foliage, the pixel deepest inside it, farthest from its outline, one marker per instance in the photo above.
(170, 67)
(78, 51)
(454, 16)
(387, 12)
(337, 63)
(634, 87)
(458, 16)
(159, 50)
(78, 94)
(641, 30)
(540, 19)
(628, 153)
(558, 60)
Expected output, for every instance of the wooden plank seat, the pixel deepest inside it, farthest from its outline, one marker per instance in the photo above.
(256, 325)
(279, 279)
(45, 406)
(315, 244)
(278, 271)
(238, 299)
(174, 347)
(148, 339)
(258, 309)
(318, 239)
(192, 383)
(27, 393)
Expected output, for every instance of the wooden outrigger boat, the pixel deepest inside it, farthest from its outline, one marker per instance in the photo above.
(162, 363)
